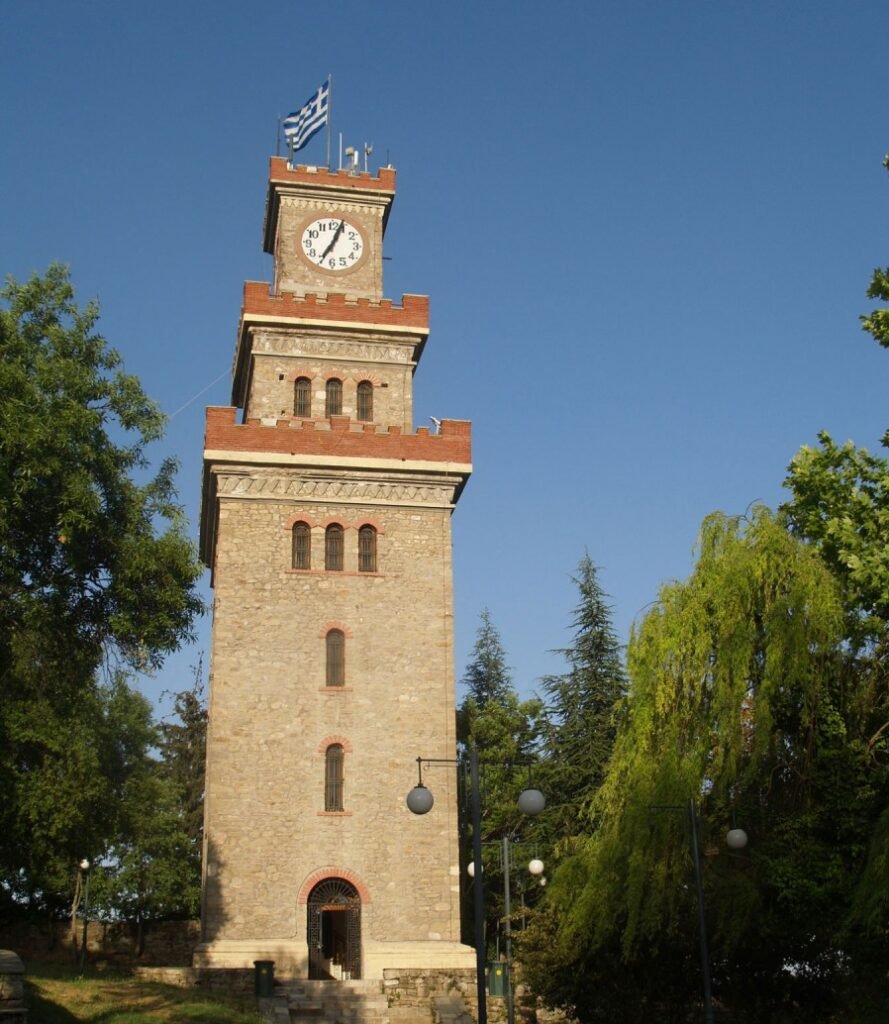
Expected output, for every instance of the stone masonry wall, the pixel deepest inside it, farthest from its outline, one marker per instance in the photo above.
(272, 717)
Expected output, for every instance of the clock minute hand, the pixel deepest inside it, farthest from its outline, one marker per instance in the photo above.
(333, 240)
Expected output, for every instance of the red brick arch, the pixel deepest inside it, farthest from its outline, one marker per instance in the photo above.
(375, 523)
(329, 741)
(318, 876)
(341, 626)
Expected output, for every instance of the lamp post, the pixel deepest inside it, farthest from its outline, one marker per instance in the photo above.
(420, 800)
(535, 867)
(85, 869)
(735, 840)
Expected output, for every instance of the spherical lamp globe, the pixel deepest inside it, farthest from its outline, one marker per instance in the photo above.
(736, 839)
(531, 802)
(420, 800)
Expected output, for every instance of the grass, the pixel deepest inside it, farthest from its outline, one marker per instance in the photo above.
(57, 994)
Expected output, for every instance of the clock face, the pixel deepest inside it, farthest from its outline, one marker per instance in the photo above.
(332, 243)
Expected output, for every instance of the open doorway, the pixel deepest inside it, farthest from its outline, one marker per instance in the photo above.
(334, 930)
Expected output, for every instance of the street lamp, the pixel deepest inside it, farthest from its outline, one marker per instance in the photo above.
(420, 800)
(736, 839)
(85, 869)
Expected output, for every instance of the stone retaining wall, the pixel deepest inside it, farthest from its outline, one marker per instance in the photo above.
(164, 943)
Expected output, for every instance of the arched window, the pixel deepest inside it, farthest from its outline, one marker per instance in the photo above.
(302, 397)
(367, 549)
(335, 642)
(365, 401)
(333, 547)
(333, 398)
(301, 557)
(333, 777)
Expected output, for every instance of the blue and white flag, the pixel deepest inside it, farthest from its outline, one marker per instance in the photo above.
(302, 124)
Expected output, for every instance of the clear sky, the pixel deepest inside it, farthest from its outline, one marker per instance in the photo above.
(646, 228)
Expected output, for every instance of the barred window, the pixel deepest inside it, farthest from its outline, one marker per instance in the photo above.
(302, 397)
(333, 547)
(333, 777)
(333, 400)
(367, 549)
(336, 658)
(302, 546)
(365, 401)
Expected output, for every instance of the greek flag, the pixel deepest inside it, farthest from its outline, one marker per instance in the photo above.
(302, 124)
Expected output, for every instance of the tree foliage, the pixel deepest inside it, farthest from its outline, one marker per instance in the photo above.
(504, 729)
(742, 698)
(152, 871)
(96, 572)
(876, 323)
(580, 707)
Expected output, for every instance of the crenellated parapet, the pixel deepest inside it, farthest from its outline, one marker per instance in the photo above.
(339, 437)
(412, 316)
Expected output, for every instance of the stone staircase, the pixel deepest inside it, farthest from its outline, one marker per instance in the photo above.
(352, 1002)
(326, 1002)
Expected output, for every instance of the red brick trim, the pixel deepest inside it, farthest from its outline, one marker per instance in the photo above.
(384, 181)
(328, 626)
(375, 523)
(259, 300)
(329, 741)
(332, 872)
(451, 445)
(308, 374)
(293, 520)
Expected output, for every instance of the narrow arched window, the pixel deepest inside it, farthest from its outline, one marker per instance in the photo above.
(336, 658)
(333, 777)
(301, 557)
(302, 397)
(333, 547)
(365, 401)
(333, 398)
(367, 549)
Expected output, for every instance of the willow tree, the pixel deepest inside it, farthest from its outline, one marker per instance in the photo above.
(739, 699)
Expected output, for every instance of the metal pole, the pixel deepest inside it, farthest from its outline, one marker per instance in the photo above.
(86, 911)
(507, 931)
(479, 892)
(702, 919)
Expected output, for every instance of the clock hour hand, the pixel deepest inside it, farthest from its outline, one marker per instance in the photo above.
(333, 240)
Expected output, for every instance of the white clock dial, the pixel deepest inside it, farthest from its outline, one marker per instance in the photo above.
(332, 243)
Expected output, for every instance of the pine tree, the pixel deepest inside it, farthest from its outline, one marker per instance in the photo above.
(487, 677)
(580, 707)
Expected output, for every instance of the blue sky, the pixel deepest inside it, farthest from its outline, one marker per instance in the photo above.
(646, 229)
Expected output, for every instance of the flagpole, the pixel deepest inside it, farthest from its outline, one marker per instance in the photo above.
(278, 138)
(329, 103)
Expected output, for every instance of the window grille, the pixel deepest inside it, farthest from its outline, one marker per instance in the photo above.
(367, 549)
(302, 397)
(333, 403)
(302, 546)
(333, 778)
(336, 658)
(333, 548)
(365, 401)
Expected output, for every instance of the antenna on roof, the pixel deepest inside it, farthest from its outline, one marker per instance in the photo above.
(368, 149)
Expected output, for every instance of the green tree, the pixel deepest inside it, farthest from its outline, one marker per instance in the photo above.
(742, 698)
(504, 730)
(876, 323)
(580, 708)
(487, 677)
(96, 571)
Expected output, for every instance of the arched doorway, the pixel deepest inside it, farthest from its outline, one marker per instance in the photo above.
(334, 930)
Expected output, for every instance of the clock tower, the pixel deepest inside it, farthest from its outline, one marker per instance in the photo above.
(325, 522)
